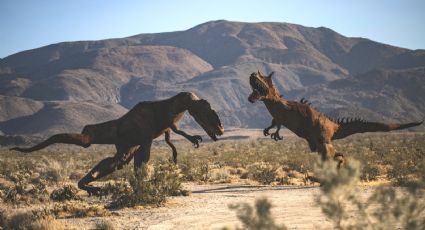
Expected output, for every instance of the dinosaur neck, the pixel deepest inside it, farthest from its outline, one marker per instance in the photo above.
(182, 102)
(273, 102)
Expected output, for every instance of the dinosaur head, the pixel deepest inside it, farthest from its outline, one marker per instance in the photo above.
(207, 118)
(262, 87)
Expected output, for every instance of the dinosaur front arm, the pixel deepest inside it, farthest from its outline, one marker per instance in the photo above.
(274, 135)
(173, 148)
(194, 139)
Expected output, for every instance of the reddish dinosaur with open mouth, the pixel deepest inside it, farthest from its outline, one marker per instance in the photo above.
(307, 122)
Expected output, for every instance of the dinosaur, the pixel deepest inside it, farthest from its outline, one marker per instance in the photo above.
(132, 134)
(307, 122)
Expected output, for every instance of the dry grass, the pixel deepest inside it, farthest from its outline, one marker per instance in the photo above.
(28, 180)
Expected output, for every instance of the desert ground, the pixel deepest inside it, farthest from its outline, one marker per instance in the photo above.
(207, 208)
(241, 168)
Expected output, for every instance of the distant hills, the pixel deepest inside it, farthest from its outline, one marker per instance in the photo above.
(64, 86)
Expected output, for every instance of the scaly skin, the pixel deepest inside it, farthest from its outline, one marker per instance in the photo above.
(308, 123)
(132, 134)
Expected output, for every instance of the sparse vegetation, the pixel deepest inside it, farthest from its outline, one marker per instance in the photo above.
(28, 180)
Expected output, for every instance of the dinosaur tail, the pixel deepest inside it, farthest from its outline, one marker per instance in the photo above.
(65, 138)
(349, 127)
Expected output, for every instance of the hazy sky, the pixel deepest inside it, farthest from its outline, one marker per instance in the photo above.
(27, 24)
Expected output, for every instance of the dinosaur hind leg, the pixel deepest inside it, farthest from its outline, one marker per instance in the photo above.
(327, 152)
(266, 130)
(275, 136)
(65, 138)
(106, 167)
(142, 155)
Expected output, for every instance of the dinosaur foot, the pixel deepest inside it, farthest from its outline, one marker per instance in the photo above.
(195, 140)
(266, 132)
(276, 137)
(93, 191)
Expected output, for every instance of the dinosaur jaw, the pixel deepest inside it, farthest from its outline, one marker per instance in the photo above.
(213, 133)
(258, 85)
(254, 96)
(259, 88)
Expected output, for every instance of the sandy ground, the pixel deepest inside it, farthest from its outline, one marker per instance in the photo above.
(207, 208)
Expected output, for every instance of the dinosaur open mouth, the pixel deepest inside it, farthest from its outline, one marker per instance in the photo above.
(258, 85)
(213, 134)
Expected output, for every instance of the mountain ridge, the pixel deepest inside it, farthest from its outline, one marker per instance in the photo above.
(214, 60)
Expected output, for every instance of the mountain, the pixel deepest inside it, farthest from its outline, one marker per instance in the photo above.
(62, 87)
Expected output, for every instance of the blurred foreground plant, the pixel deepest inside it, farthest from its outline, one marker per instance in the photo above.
(386, 208)
(258, 217)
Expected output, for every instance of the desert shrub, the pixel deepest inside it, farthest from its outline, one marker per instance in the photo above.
(256, 218)
(21, 220)
(67, 192)
(76, 209)
(116, 188)
(194, 170)
(104, 225)
(220, 175)
(24, 189)
(369, 172)
(53, 175)
(386, 208)
(151, 189)
(405, 166)
(262, 172)
(28, 220)
(338, 188)
(3, 217)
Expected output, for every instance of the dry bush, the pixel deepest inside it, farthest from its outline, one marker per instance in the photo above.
(262, 172)
(194, 170)
(258, 217)
(220, 175)
(30, 220)
(104, 225)
(386, 208)
(67, 192)
(150, 189)
(76, 209)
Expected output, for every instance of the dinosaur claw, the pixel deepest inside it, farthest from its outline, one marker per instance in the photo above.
(276, 137)
(266, 132)
(195, 140)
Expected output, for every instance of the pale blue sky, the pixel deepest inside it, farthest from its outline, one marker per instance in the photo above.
(28, 24)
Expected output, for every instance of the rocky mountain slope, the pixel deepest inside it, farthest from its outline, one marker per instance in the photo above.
(62, 87)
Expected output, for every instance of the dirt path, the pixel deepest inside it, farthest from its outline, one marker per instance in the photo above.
(207, 208)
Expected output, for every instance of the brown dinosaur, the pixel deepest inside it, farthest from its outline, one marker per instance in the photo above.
(307, 122)
(132, 134)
